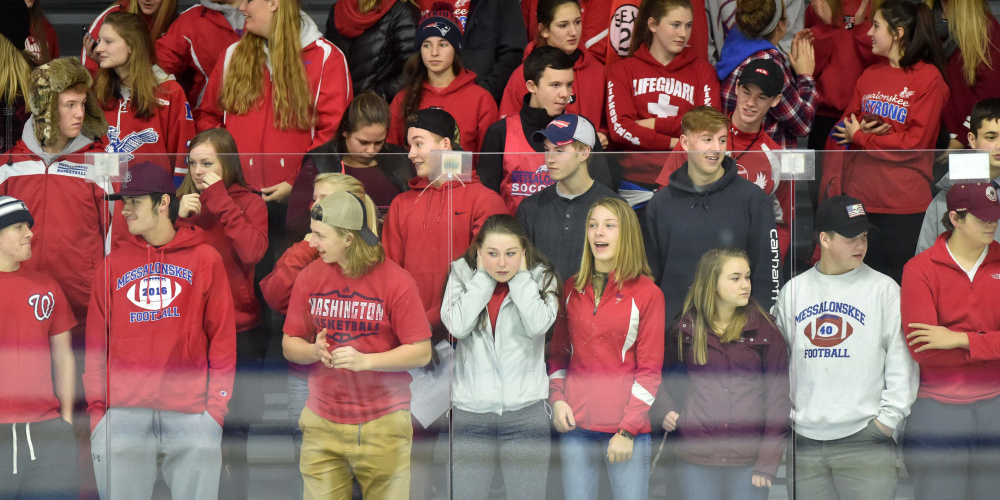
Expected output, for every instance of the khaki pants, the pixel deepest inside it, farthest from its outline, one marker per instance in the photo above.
(376, 452)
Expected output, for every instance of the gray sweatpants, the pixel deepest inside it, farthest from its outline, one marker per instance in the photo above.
(127, 443)
(519, 440)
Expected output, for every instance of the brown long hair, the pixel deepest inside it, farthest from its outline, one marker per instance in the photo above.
(38, 30)
(165, 15)
(144, 86)
(415, 75)
(243, 82)
(701, 301)
(656, 10)
(225, 150)
(508, 225)
(630, 259)
(919, 41)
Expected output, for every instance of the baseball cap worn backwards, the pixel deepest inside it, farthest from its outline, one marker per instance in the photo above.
(144, 178)
(346, 211)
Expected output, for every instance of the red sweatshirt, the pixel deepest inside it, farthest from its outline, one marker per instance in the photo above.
(755, 163)
(639, 87)
(605, 359)
(841, 56)
(67, 201)
(911, 101)
(419, 237)
(622, 25)
(32, 46)
(936, 291)
(472, 107)
(161, 139)
(270, 155)
(963, 97)
(235, 223)
(168, 314)
(35, 309)
(595, 15)
(589, 82)
(195, 42)
(95, 31)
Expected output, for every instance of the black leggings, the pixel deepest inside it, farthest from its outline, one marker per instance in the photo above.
(893, 244)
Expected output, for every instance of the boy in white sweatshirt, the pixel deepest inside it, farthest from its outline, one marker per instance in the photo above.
(852, 378)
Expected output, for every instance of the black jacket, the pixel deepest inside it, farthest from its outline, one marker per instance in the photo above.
(557, 226)
(602, 168)
(681, 223)
(376, 57)
(494, 41)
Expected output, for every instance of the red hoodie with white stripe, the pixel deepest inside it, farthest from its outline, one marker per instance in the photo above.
(161, 331)
(605, 358)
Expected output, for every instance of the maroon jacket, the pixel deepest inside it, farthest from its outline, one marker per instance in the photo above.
(735, 407)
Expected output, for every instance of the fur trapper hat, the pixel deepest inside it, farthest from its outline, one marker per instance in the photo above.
(50, 80)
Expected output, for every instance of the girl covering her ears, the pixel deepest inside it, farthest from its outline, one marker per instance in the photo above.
(147, 111)
(731, 383)
(560, 25)
(158, 15)
(605, 358)
(644, 115)
(894, 116)
(359, 149)
(435, 77)
(501, 298)
(215, 198)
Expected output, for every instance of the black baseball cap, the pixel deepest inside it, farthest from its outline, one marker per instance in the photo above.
(436, 121)
(144, 178)
(844, 215)
(764, 73)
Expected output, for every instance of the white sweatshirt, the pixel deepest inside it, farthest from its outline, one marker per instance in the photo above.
(848, 361)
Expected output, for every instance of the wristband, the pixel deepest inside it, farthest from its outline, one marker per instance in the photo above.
(626, 434)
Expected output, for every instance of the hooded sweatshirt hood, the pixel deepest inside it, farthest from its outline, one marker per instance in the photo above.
(308, 32)
(31, 141)
(464, 78)
(737, 49)
(682, 181)
(236, 18)
(676, 64)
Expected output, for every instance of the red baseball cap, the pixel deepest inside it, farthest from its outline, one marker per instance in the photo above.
(979, 199)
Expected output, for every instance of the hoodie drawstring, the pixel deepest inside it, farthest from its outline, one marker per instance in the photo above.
(700, 198)
(31, 445)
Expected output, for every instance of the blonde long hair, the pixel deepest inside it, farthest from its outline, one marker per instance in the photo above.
(144, 86)
(630, 259)
(701, 301)
(15, 72)
(243, 83)
(969, 27)
(164, 16)
(343, 182)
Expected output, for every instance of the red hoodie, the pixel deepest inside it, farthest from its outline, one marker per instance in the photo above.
(936, 291)
(891, 173)
(161, 139)
(639, 87)
(69, 211)
(841, 56)
(428, 227)
(169, 316)
(589, 82)
(271, 155)
(95, 31)
(235, 223)
(962, 98)
(596, 15)
(195, 41)
(755, 163)
(276, 288)
(472, 107)
(605, 358)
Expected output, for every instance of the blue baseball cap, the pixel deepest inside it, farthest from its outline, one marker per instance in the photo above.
(564, 129)
(144, 178)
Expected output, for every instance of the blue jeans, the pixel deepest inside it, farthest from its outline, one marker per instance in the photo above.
(584, 451)
(706, 482)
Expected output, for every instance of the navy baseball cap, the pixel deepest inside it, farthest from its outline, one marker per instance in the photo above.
(144, 178)
(564, 129)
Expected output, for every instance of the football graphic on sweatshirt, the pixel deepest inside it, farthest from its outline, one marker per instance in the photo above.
(828, 330)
